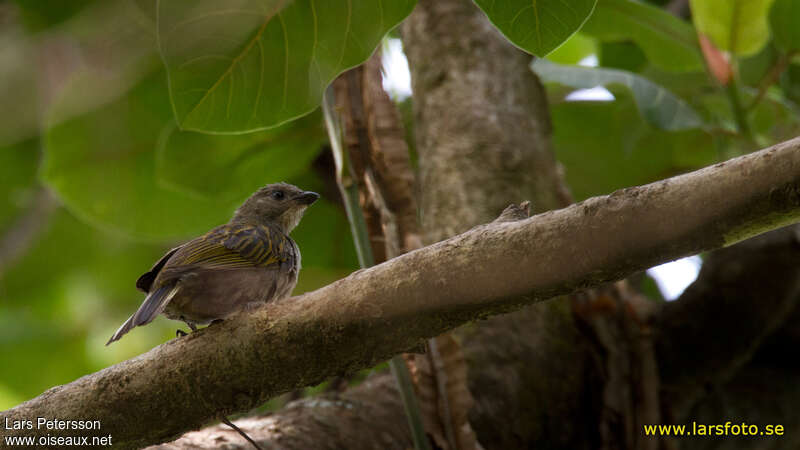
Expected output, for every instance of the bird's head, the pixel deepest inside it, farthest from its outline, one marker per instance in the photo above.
(281, 204)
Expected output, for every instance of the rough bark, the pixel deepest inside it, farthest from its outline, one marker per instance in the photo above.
(328, 421)
(479, 113)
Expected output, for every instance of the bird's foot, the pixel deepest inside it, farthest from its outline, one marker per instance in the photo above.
(189, 324)
(180, 333)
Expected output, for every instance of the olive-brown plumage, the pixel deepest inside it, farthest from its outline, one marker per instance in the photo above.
(244, 263)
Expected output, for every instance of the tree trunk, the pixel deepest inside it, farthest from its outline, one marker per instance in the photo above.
(483, 130)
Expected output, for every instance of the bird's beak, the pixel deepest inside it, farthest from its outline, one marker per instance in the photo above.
(307, 198)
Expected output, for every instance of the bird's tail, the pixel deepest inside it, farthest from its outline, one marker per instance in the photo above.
(153, 304)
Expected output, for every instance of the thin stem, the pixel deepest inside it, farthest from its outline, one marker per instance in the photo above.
(770, 78)
(347, 186)
(410, 404)
(349, 191)
(739, 114)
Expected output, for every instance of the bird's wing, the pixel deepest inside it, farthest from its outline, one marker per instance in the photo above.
(229, 246)
(145, 282)
(234, 246)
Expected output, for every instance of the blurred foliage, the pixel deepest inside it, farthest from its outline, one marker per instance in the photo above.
(92, 119)
(18, 165)
(738, 26)
(623, 55)
(573, 50)
(783, 23)
(619, 149)
(656, 104)
(38, 15)
(668, 41)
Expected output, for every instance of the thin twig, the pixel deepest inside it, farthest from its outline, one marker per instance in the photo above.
(739, 113)
(242, 433)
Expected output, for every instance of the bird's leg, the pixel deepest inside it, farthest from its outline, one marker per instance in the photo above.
(181, 333)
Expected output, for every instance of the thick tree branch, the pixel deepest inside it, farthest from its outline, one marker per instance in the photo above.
(375, 313)
(328, 421)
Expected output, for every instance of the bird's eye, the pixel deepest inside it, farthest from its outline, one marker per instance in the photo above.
(278, 195)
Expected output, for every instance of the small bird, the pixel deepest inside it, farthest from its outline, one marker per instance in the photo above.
(242, 264)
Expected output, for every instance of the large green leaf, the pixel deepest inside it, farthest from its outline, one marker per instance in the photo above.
(539, 26)
(669, 42)
(656, 104)
(102, 165)
(784, 20)
(737, 26)
(230, 167)
(247, 65)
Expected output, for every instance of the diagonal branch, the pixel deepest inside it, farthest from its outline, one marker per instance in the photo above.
(375, 313)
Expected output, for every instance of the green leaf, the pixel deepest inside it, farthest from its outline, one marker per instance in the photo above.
(790, 83)
(623, 55)
(752, 69)
(656, 104)
(231, 167)
(606, 146)
(539, 26)
(102, 165)
(253, 64)
(784, 20)
(737, 26)
(669, 42)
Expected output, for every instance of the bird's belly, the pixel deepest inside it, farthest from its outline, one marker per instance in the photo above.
(207, 295)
